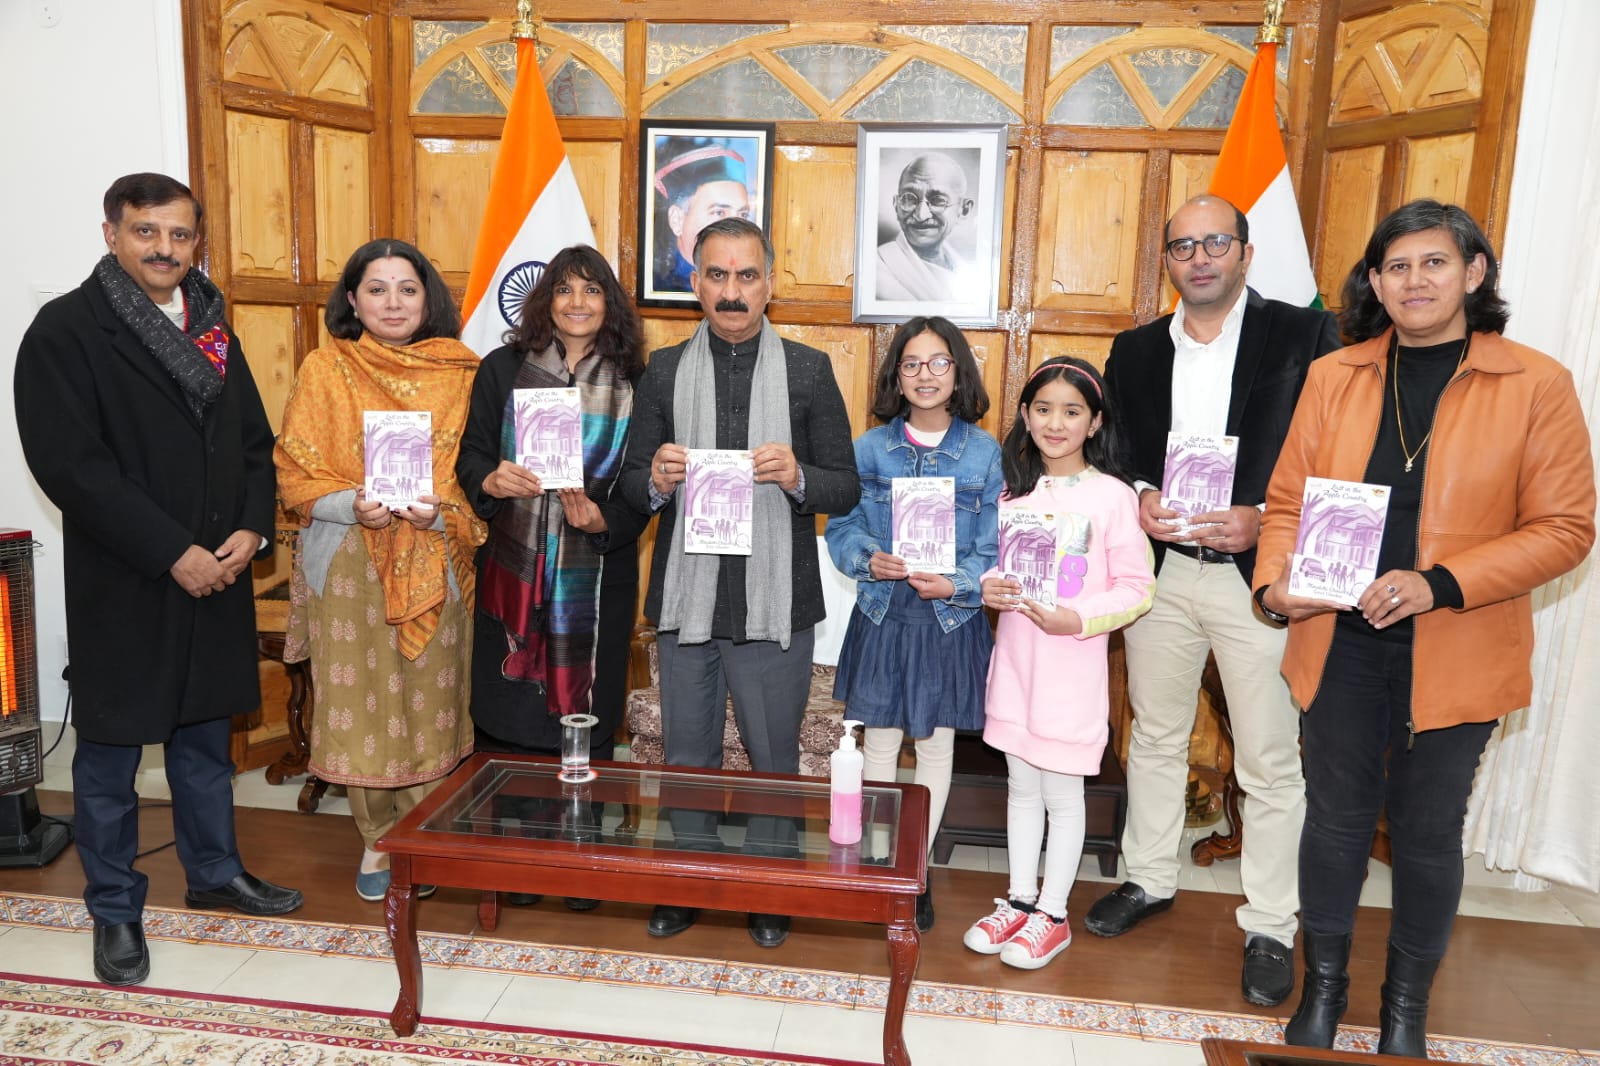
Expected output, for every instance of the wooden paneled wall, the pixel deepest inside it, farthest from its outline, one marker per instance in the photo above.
(311, 131)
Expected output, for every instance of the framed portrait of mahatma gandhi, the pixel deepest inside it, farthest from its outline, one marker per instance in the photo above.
(691, 174)
(928, 206)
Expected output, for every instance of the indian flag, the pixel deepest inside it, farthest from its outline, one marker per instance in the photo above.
(1253, 174)
(534, 211)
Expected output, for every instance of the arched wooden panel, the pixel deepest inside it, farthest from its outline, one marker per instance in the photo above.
(1415, 57)
(300, 47)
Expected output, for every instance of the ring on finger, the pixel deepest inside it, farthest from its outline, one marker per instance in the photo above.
(1390, 589)
(1394, 601)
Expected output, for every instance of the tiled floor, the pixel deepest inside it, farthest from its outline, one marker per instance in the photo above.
(658, 1013)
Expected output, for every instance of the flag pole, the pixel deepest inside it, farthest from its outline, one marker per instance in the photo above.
(1271, 31)
(525, 28)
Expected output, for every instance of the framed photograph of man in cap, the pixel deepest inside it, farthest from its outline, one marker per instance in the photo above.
(694, 173)
(929, 201)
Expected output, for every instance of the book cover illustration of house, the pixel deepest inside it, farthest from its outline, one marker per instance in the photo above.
(923, 516)
(718, 487)
(1336, 548)
(1028, 552)
(549, 441)
(397, 456)
(1198, 476)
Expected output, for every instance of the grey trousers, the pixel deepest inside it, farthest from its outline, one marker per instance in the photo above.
(769, 687)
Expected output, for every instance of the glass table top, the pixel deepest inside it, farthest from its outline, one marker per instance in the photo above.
(672, 811)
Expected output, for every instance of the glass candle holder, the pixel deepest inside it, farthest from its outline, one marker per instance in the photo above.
(575, 730)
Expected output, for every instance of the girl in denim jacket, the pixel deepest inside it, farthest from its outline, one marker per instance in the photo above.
(916, 653)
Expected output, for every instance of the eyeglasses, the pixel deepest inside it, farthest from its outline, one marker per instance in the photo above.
(938, 366)
(1216, 245)
(937, 202)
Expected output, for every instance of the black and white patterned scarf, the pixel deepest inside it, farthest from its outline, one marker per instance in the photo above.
(179, 351)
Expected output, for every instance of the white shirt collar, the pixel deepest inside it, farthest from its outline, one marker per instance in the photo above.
(1230, 324)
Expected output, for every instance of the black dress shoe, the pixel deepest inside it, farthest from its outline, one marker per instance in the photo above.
(523, 899)
(121, 956)
(1121, 909)
(769, 930)
(925, 910)
(581, 903)
(670, 921)
(247, 895)
(1268, 976)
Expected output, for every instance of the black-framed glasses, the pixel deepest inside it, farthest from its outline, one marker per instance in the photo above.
(937, 201)
(1216, 246)
(938, 366)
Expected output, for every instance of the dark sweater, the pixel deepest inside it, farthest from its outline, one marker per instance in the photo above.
(820, 431)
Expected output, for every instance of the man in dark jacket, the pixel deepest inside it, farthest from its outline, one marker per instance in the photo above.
(1226, 363)
(140, 420)
(738, 623)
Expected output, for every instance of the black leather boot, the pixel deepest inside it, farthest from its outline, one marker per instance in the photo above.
(1403, 1014)
(1323, 994)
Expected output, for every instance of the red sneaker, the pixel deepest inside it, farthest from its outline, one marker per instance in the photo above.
(1041, 939)
(988, 935)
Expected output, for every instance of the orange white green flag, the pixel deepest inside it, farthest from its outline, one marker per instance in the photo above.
(1253, 174)
(534, 211)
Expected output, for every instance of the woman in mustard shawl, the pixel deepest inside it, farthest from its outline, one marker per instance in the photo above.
(382, 596)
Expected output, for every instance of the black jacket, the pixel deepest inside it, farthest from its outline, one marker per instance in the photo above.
(820, 429)
(1277, 342)
(110, 439)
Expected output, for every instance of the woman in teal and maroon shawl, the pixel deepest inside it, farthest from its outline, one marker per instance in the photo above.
(558, 577)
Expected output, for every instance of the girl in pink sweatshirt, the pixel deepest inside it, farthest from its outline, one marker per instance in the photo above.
(1047, 704)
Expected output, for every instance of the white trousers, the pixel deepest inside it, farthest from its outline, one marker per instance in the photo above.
(1032, 795)
(1200, 608)
(936, 756)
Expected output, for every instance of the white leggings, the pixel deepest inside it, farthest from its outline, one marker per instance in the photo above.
(1031, 793)
(880, 749)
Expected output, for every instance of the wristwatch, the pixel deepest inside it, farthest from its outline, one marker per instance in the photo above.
(1271, 615)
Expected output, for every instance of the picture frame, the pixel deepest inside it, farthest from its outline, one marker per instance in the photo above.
(925, 259)
(690, 174)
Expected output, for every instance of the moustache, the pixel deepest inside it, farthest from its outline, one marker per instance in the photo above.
(163, 260)
(732, 305)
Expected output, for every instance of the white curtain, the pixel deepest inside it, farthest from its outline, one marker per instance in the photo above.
(1535, 808)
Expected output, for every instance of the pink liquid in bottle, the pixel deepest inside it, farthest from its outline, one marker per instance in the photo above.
(844, 817)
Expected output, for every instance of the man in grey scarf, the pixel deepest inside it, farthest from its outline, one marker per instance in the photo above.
(736, 624)
(139, 418)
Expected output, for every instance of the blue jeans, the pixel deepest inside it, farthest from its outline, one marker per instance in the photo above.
(1357, 763)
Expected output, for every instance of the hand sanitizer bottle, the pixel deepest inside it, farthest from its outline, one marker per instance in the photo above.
(844, 809)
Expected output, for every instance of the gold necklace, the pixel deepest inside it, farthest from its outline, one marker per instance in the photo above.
(1399, 422)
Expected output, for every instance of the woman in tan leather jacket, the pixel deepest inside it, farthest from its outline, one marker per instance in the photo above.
(1482, 444)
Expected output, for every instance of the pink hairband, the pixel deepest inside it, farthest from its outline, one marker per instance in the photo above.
(1042, 367)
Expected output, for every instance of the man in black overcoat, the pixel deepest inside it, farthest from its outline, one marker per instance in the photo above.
(140, 420)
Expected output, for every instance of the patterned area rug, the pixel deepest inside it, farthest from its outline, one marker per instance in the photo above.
(72, 1022)
(784, 984)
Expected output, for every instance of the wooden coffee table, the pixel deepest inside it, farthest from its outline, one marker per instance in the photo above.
(507, 823)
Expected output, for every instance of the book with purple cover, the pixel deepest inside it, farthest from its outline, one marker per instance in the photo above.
(1336, 548)
(397, 455)
(923, 517)
(549, 441)
(1028, 552)
(718, 488)
(1198, 476)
